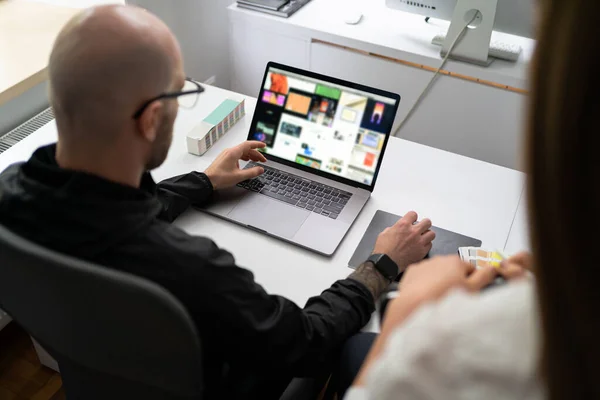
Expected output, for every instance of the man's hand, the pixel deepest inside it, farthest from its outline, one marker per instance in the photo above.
(406, 242)
(225, 171)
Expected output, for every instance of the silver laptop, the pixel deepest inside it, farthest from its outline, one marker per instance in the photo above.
(325, 143)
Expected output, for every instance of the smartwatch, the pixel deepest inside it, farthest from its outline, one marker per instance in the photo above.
(385, 265)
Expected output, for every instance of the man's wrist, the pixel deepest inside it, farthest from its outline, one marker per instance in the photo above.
(211, 179)
(385, 265)
(369, 276)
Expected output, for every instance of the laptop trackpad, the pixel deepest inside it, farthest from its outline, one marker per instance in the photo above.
(276, 218)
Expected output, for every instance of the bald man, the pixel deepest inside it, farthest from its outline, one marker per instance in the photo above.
(90, 195)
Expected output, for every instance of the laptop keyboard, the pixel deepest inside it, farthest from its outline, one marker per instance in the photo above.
(299, 192)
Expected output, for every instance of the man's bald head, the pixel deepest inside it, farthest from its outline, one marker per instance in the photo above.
(105, 63)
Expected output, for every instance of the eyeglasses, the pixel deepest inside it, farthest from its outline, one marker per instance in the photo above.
(187, 98)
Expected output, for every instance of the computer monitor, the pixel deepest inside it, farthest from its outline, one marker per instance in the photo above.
(515, 17)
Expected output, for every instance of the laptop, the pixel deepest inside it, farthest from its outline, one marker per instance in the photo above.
(325, 139)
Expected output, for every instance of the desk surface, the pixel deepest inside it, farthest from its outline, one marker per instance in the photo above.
(391, 33)
(27, 33)
(458, 193)
(519, 239)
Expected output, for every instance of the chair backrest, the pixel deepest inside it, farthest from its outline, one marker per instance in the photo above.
(114, 335)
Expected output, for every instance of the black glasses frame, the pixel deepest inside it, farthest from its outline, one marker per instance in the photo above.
(199, 89)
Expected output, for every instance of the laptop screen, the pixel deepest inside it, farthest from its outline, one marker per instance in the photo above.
(335, 128)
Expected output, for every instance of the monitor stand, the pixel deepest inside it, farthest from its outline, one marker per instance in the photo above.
(474, 47)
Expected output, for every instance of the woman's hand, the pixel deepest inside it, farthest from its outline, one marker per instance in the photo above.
(431, 279)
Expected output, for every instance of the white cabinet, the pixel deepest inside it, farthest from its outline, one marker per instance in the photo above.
(457, 115)
(253, 47)
(392, 51)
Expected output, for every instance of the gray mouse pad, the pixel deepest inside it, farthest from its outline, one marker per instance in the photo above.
(445, 242)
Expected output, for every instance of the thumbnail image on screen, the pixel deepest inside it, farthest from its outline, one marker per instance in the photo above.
(335, 129)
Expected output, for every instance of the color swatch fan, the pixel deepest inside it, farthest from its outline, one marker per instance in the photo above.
(480, 258)
(212, 128)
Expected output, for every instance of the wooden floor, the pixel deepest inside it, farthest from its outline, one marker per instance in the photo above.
(21, 374)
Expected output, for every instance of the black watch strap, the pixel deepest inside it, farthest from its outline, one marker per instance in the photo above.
(385, 265)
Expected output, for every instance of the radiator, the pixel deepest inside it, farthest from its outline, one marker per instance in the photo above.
(13, 137)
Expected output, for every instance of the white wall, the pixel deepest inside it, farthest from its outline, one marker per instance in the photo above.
(202, 28)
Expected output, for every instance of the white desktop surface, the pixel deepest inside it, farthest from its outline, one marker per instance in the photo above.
(518, 239)
(392, 33)
(458, 193)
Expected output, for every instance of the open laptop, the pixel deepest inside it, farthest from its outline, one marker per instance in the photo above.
(325, 142)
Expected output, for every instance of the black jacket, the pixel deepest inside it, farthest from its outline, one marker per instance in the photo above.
(253, 342)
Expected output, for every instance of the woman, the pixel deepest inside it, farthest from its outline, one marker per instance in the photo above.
(533, 338)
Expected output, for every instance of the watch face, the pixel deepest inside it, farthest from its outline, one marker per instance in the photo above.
(385, 265)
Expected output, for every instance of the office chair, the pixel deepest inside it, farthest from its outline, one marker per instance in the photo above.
(114, 335)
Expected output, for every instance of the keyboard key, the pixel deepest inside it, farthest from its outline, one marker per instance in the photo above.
(327, 202)
(296, 192)
(320, 189)
(255, 189)
(277, 175)
(327, 191)
(305, 184)
(296, 197)
(280, 197)
(325, 213)
(333, 216)
(327, 196)
(312, 187)
(332, 209)
(301, 205)
(275, 185)
(320, 205)
(310, 208)
(288, 195)
(305, 190)
(311, 196)
(334, 199)
(318, 210)
(313, 192)
(274, 190)
(277, 180)
(312, 202)
(281, 192)
(298, 186)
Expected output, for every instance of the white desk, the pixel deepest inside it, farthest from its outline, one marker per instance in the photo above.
(437, 184)
(518, 239)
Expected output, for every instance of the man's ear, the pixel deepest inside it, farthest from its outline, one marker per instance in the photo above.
(149, 122)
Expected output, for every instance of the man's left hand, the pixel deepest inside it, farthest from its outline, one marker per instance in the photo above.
(225, 171)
